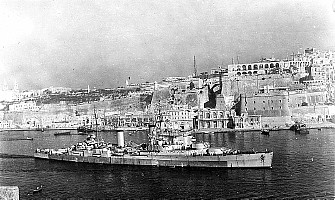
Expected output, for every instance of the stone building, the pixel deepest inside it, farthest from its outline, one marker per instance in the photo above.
(273, 107)
(213, 118)
(250, 69)
(306, 98)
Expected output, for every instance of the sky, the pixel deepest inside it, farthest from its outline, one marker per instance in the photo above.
(75, 43)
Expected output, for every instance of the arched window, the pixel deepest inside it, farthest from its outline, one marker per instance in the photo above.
(255, 67)
(272, 65)
(249, 67)
(250, 73)
(277, 65)
(238, 67)
(244, 67)
(261, 66)
(266, 66)
(255, 72)
(207, 115)
(238, 73)
(244, 73)
(214, 115)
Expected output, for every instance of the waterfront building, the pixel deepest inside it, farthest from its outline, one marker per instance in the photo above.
(306, 98)
(132, 120)
(214, 118)
(272, 106)
(312, 114)
(180, 117)
(246, 121)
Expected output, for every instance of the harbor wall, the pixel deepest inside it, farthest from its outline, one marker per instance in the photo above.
(280, 122)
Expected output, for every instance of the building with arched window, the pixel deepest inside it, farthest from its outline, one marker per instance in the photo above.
(214, 118)
(257, 68)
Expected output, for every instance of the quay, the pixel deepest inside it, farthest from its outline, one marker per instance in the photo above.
(325, 125)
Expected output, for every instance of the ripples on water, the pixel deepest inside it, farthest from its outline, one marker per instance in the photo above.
(303, 167)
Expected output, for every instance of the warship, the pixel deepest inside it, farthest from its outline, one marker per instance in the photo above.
(181, 151)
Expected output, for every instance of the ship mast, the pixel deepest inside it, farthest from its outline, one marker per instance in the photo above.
(96, 123)
(195, 67)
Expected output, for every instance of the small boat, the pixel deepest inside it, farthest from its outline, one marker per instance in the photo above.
(62, 133)
(85, 129)
(38, 189)
(275, 128)
(300, 128)
(265, 132)
(29, 138)
(40, 129)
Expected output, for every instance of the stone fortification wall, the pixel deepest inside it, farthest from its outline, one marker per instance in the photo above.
(123, 104)
(166, 95)
(265, 104)
(63, 115)
(251, 84)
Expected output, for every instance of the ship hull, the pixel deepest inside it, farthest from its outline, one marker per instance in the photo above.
(254, 160)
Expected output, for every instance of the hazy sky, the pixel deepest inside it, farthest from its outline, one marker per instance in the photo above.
(75, 43)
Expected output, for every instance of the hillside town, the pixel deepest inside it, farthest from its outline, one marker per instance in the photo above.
(272, 93)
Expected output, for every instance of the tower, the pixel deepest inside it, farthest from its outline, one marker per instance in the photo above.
(128, 81)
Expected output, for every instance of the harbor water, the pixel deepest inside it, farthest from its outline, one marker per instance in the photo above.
(303, 167)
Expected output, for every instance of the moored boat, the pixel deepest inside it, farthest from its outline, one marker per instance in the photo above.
(300, 128)
(265, 132)
(85, 129)
(62, 133)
